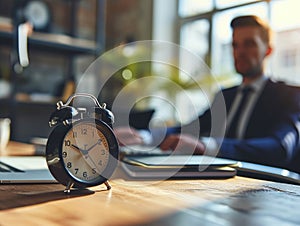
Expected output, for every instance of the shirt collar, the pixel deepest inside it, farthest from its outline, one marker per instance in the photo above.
(257, 84)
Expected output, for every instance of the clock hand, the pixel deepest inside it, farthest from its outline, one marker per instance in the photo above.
(96, 167)
(82, 151)
(75, 147)
(85, 153)
(90, 148)
(87, 156)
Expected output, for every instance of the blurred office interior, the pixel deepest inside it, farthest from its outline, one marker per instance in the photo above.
(68, 35)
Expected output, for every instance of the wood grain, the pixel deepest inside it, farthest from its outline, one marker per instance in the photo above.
(235, 201)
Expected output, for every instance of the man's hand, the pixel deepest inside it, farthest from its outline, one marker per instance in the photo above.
(128, 136)
(183, 144)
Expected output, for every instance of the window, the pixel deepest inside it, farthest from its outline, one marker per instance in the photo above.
(285, 62)
(228, 3)
(195, 37)
(222, 61)
(289, 58)
(193, 7)
(215, 46)
(204, 29)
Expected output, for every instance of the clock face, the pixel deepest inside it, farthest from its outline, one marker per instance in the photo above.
(37, 12)
(85, 152)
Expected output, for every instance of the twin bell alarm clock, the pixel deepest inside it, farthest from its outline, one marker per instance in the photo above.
(82, 150)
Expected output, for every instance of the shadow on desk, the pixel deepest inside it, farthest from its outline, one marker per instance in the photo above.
(270, 204)
(25, 195)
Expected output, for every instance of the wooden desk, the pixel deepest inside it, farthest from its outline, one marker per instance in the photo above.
(18, 149)
(236, 201)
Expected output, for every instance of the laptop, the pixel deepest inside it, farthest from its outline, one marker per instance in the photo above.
(24, 170)
(177, 166)
(140, 161)
(144, 162)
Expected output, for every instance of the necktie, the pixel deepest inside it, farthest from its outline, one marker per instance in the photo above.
(232, 131)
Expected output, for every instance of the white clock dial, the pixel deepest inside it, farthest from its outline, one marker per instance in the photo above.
(85, 152)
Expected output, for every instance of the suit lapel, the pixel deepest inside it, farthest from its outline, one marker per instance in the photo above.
(262, 112)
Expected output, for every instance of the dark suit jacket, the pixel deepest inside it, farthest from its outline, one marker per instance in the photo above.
(272, 134)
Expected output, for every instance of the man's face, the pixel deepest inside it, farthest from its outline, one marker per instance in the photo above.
(249, 51)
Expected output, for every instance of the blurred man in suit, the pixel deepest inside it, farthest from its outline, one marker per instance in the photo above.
(262, 123)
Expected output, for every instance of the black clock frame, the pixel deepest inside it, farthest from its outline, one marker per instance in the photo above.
(57, 166)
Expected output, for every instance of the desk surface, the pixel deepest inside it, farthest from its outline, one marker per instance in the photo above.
(235, 201)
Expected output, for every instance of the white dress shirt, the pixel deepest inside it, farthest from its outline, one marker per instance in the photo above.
(257, 86)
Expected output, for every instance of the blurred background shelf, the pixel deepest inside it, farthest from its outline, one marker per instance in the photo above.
(74, 32)
(55, 42)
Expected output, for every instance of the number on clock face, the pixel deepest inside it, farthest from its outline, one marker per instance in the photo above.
(85, 151)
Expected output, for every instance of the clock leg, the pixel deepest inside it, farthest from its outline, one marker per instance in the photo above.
(108, 186)
(68, 188)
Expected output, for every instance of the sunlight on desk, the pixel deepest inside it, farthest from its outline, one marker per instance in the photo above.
(234, 201)
(16, 148)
